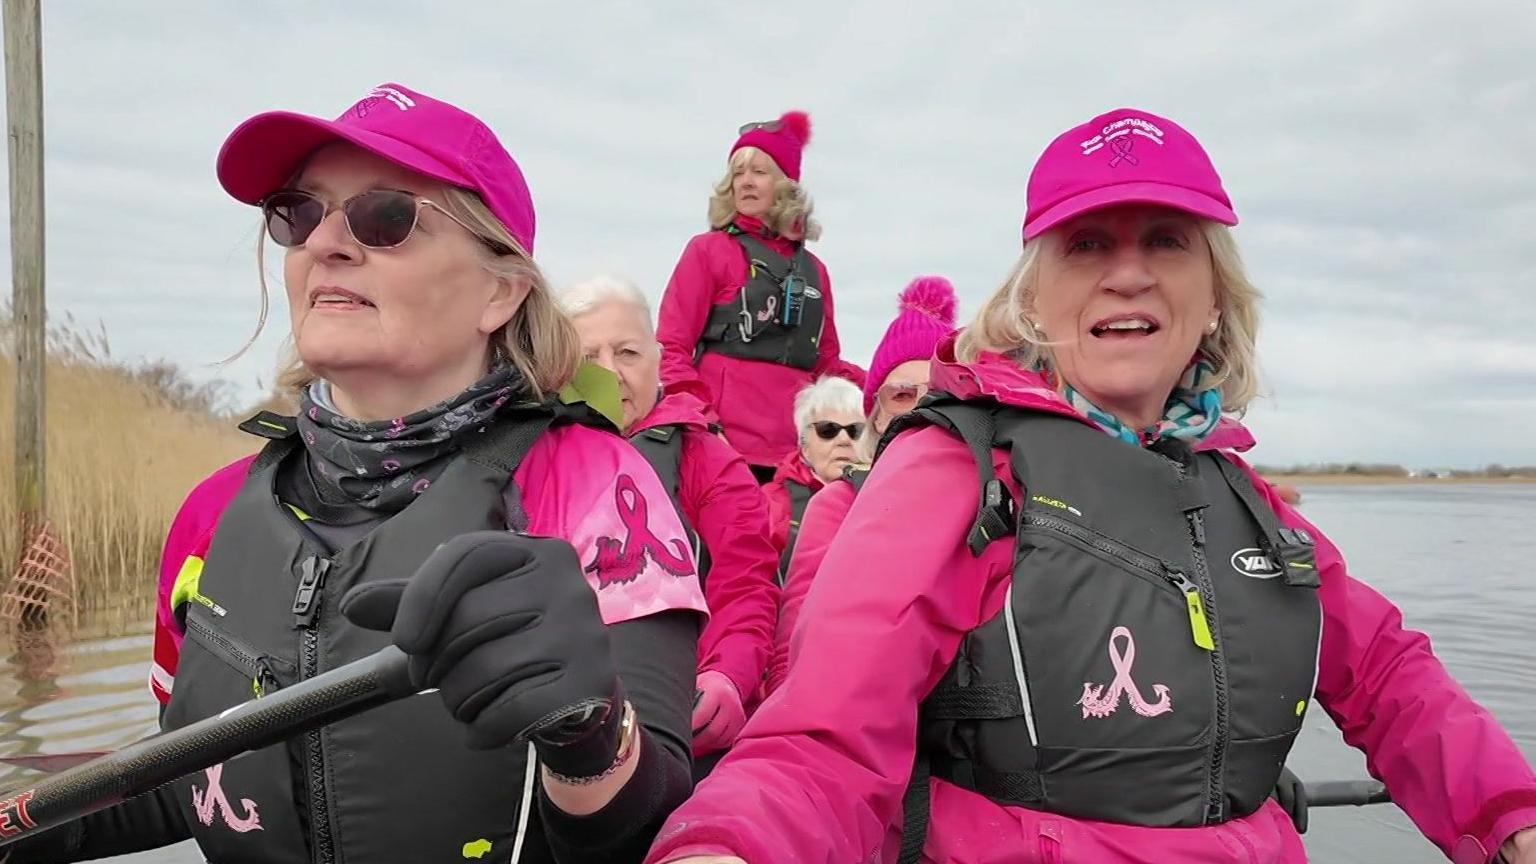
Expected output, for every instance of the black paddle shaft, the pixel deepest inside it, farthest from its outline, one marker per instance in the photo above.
(372, 681)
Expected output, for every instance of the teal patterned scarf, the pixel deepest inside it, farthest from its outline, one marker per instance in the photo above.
(1193, 410)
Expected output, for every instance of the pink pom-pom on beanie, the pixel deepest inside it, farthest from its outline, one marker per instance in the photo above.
(783, 140)
(927, 314)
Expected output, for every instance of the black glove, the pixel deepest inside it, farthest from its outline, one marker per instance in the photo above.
(508, 630)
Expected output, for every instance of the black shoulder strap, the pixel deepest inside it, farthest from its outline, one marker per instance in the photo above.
(662, 447)
(1293, 549)
(504, 443)
(855, 476)
(975, 423)
(760, 255)
(281, 432)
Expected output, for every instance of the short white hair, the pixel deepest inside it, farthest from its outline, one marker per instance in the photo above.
(588, 294)
(829, 394)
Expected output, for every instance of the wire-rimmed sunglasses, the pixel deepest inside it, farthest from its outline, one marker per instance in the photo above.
(376, 219)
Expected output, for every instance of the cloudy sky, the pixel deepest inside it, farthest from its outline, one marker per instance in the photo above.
(1382, 156)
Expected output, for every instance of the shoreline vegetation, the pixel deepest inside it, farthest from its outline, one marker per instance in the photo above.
(1357, 473)
(126, 442)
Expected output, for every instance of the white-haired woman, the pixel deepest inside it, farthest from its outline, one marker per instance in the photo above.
(747, 319)
(829, 425)
(719, 500)
(1036, 606)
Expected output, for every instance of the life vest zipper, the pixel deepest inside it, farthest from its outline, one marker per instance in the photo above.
(307, 604)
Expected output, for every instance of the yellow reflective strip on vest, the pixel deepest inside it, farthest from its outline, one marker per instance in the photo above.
(185, 587)
(303, 517)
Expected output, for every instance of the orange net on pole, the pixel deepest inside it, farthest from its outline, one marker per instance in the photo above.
(42, 590)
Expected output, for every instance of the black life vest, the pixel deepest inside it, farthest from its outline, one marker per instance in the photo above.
(662, 447)
(1157, 650)
(398, 783)
(779, 313)
(799, 497)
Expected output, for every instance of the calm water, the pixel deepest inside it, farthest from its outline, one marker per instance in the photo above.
(1456, 558)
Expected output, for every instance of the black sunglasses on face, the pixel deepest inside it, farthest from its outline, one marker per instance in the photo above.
(826, 430)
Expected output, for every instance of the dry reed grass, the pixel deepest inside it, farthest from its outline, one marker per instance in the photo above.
(125, 444)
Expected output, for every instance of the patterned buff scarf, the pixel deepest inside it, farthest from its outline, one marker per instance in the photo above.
(361, 470)
(1193, 410)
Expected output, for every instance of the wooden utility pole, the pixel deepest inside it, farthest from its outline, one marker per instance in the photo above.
(24, 121)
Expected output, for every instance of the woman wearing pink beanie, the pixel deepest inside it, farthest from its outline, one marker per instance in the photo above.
(898, 377)
(746, 321)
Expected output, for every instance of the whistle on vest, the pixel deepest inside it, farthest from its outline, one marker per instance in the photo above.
(1296, 553)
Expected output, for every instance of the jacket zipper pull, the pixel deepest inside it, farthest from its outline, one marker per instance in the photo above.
(1199, 627)
(306, 600)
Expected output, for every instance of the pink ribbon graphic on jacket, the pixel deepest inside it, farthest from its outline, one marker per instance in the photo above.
(1097, 703)
(624, 561)
(207, 802)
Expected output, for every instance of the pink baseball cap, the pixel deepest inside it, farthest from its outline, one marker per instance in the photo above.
(396, 123)
(1126, 156)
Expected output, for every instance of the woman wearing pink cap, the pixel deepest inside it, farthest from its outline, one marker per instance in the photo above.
(898, 378)
(719, 501)
(1034, 608)
(434, 492)
(747, 319)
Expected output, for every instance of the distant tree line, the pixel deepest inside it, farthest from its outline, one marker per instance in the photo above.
(1386, 469)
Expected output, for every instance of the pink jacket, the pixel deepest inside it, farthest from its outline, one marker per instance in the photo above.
(752, 399)
(578, 483)
(823, 516)
(725, 505)
(819, 772)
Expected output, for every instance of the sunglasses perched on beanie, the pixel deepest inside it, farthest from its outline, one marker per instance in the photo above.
(826, 430)
(766, 126)
(376, 219)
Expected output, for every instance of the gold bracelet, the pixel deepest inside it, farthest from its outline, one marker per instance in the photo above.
(628, 735)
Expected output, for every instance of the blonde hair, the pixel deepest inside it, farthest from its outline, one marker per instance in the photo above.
(539, 340)
(1002, 325)
(790, 215)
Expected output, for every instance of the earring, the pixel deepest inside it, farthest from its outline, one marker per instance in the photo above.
(1211, 327)
(1037, 328)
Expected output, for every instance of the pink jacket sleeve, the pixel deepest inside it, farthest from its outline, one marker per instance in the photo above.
(831, 361)
(1446, 761)
(685, 306)
(741, 589)
(823, 516)
(819, 771)
(189, 537)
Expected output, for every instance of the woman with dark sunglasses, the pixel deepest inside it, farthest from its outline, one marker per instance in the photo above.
(898, 378)
(830, 422)
(747, 320)
(436, 492)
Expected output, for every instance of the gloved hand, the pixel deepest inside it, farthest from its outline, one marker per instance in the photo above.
(508, 630)
(717, 713)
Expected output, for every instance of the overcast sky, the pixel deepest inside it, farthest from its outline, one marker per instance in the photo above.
(1381, 155)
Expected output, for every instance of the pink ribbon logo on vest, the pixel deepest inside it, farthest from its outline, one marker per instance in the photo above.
(624, 561)
(1097, 703)
(205, 803)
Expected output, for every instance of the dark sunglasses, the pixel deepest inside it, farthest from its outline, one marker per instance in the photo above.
(766, 126)
(826, 430)
(377, 219)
